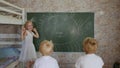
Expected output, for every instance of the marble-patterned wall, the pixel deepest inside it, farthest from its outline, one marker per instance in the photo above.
(107, 21)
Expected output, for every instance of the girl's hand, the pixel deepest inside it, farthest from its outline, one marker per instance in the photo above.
(23, 29)
(34, 29)
(23, 33)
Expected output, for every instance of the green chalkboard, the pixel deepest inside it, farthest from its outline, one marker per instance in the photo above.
(66, 30)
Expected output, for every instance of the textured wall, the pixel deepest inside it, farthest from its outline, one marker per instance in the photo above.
(9, 29)
(9, 35)
(107, 21)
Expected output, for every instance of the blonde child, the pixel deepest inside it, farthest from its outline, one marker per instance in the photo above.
(46, 61)
(90, 60)
(28, 53)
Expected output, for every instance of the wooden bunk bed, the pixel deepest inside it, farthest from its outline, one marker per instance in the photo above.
(10, 14)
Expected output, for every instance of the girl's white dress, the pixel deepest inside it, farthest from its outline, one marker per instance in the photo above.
(28, 52)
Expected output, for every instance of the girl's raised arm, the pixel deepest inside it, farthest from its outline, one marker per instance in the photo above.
(23, 33)
(36, 35)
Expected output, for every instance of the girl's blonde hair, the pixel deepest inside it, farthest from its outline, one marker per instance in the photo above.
(90, 44)
(46, 47)
(25, 25)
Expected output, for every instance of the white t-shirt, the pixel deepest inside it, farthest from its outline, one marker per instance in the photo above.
(89, 61)
(46, 62)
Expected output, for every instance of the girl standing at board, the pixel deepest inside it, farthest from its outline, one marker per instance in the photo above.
(28, 53)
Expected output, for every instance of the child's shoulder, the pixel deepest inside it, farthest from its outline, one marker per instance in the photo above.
(81, 57)
(46, 58)
(98, 56)
(38, 59)
(89, 55)
(53, 58)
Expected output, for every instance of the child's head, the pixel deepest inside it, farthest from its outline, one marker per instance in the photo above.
(46, 47)
(28, 25)
(90, 45)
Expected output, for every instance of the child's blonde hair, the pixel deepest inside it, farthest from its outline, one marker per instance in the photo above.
(46, 47)
(90, 45)
(25, 25)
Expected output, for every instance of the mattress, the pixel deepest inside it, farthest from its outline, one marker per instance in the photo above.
(8, 55)
(4, 62)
